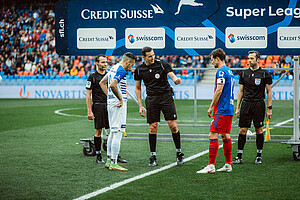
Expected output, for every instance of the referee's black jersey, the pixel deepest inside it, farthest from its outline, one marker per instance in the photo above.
(154, 77)
(92, 83)
(254, 84)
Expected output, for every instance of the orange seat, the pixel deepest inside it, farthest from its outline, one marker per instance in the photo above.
(20, 73)
(81, 73)
(243, 62)
(31, 73)
(61, 73)
(276, 59)
(76, 62)
(261, 62)
(25, 73)
(268, 61)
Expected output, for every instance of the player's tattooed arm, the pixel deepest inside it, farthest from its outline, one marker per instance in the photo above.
(114, 89)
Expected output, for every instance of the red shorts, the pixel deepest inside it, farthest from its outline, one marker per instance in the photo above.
(221, 124)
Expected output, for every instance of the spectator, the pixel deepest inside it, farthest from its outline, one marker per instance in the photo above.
(74, 70)
(28, 66)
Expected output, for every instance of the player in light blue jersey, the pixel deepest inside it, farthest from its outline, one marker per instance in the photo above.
(116, 107)
(223, 106)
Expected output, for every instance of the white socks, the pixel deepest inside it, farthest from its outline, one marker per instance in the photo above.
(114, 142)
(109, 141)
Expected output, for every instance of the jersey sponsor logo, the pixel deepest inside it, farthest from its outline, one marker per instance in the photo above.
(257, 81)
(88, 84)
(157, 76)
(221, 73)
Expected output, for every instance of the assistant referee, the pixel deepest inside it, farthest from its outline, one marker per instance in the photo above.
(154, 73)
(98, 112)
(253, 83)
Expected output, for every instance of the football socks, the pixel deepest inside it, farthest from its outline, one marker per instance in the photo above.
(176, 139)
(227, 147)
(115, 145)
(109, 141)
(152, 142)
(213, 150)
(97, 141)
(241, 144)
(259, 143)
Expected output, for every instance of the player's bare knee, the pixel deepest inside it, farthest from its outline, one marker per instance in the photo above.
(259, 130)
(243, 131)
(225, 136)
(173, 128)
(213, 135)
(98, 132)
(153, 128)
(152, 131)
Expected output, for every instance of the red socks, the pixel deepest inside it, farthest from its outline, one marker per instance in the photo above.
(213, 150)
(227, 147)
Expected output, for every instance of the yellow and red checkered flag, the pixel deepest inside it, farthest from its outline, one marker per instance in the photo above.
(267, 135)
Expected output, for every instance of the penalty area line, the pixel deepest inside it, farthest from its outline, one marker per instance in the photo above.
(116, 185)
(59, 112)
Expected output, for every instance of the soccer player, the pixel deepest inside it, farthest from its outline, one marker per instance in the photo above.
(159, 98)
(98, 112)
(253, 83)
(222, 105)
(117, 107)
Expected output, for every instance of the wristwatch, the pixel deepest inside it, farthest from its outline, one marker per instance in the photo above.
(270, 107)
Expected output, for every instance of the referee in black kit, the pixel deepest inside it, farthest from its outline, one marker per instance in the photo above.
(98, 112)
(159, 98)
(253, 83)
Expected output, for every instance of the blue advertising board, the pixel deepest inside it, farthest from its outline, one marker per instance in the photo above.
(177, 27)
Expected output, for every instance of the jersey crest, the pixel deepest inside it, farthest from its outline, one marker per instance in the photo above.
(257, 81)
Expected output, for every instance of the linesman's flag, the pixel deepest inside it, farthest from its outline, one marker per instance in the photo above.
(267, 135)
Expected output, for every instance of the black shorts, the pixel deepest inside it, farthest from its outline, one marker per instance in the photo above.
(164, 103)
(101, 116)
(252, 111)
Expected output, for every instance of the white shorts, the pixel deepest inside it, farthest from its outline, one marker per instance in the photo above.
(117, 117)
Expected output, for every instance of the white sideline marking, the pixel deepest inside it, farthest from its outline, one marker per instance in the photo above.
(284, 122)
(281, 123)
(116, 185)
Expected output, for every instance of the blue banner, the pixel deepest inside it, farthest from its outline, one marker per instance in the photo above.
(177, 27)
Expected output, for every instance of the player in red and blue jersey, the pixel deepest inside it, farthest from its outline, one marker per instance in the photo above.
(222, 106)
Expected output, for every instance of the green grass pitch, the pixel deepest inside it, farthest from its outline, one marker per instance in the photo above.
(40, 160)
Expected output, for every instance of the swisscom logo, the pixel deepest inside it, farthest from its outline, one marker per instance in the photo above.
(246, 37)
(136, 38)
(231, 38)
(131, 38)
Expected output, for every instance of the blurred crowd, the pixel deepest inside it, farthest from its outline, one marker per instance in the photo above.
(27, 46)
(266, 61)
